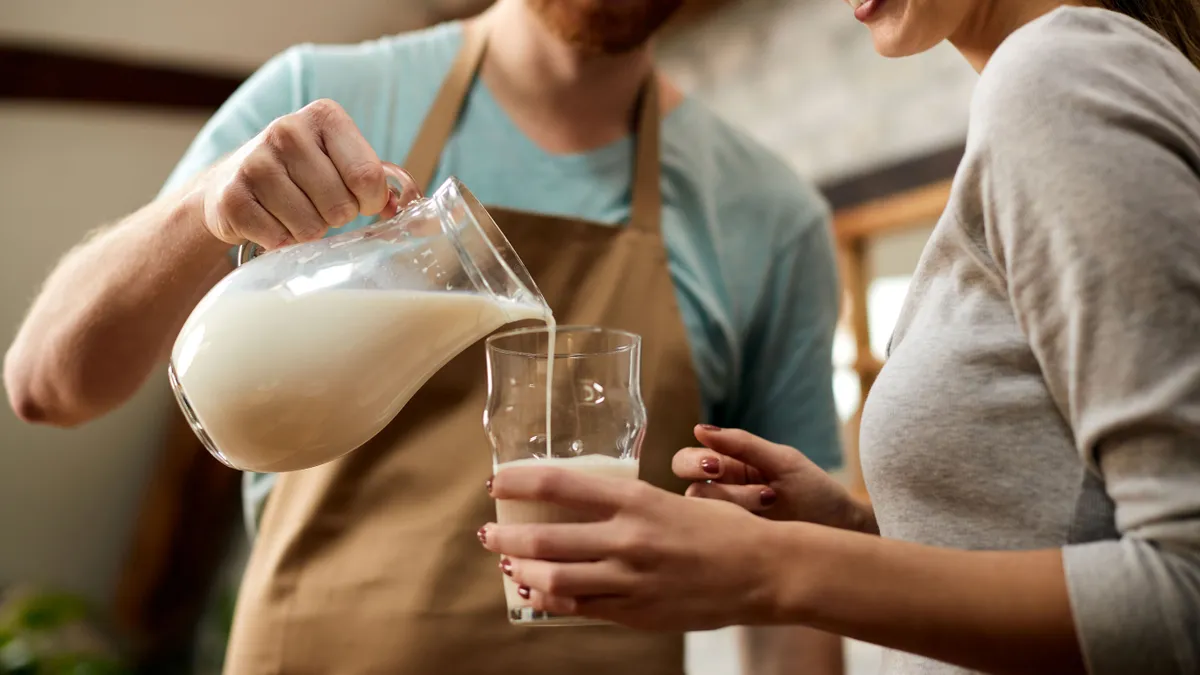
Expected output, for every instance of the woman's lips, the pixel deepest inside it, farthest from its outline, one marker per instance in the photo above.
(865, 9)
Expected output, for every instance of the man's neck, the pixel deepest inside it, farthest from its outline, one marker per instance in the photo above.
(565, 101)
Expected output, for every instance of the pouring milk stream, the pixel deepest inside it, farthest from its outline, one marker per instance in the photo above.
(307, 352)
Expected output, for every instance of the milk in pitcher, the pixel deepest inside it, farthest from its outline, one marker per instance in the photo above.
(282, 382)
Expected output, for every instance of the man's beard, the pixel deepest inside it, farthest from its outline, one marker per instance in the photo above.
(604, 26)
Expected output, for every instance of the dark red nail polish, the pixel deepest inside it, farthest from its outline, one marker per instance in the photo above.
(482, 534)
(489, 485)
(506, 566)
(711, 465)
(709, 427)
(523, 591)
(767, 497)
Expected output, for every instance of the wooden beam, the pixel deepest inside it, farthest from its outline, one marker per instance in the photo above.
(29, 73)
(855, 278)
(892, 179)
(914, 208)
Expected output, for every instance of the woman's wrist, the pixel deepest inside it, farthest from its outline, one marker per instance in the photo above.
(787, 573)
(808, 561)
(861, 516)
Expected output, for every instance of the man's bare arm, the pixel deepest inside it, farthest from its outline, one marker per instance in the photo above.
(108, 313)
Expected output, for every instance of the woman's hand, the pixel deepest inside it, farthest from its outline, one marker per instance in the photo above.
(775, 481)
(651, 559)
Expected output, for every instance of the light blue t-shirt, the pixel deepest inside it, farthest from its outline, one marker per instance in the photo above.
(749, 245)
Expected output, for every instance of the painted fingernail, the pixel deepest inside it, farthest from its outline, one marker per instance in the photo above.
(523, 591)
(767, 497)
(489, 485)
(482, 534)
(506, 566)
(709, 427)
(711, 465)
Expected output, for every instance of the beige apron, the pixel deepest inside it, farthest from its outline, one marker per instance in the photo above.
(370, 564)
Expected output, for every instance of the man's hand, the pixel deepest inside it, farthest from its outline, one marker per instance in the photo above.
(305, 173)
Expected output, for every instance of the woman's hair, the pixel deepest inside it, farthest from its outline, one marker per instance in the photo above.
(1176, 20)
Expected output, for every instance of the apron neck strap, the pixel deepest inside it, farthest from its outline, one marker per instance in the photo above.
(646, 207)
(439, 123)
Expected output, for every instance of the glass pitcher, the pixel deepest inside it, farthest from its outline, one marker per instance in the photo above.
(304, 353)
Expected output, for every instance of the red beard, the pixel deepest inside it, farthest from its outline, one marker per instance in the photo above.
(604, 26)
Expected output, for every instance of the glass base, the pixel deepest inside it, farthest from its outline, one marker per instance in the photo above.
(527, 616)
(192, 420)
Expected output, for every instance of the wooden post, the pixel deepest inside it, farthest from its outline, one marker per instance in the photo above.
(854, 227)
(188, 514)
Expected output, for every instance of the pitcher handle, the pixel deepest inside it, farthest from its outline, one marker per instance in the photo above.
(402, 186)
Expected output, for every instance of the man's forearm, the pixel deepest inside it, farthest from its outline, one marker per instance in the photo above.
(107, 315)
(999, 612)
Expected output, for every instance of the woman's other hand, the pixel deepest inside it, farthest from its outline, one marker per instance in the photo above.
(772, 480)
(650, 559)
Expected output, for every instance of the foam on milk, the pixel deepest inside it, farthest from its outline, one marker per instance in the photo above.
(282, 382)
(516, 511)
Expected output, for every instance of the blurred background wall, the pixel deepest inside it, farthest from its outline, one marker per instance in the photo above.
(68, 498)
(802, 77)
(799, 75)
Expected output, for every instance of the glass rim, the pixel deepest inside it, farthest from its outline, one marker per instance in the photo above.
(515, 269)
(634, 341)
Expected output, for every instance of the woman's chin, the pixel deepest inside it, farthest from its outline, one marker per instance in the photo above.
(893, 42)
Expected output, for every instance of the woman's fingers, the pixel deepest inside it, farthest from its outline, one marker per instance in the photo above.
(600, 496)
(571, 579)
(770, 459)
(702, 464)
(594, 590)
(547, 541)
(554, 604)
(753, 498)
(604, 607)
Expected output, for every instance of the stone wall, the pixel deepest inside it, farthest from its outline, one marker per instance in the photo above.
(802, 77)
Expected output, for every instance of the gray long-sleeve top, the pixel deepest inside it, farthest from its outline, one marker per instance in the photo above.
(1043, 382)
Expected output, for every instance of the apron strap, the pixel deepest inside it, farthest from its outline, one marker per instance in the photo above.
(439, 122)
(426, 152)
(645, 211)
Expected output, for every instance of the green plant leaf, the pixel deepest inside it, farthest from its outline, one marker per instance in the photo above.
(47, 611)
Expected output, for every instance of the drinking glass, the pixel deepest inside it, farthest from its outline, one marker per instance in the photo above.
(596, 414)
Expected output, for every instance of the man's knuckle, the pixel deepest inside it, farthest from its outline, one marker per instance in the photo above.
(364, 175)
(256, 169)
(237, 204)
(285, 135)
(343, 211)
(323, 111)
